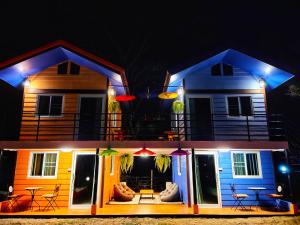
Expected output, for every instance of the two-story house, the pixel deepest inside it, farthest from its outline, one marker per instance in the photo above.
(70, 116)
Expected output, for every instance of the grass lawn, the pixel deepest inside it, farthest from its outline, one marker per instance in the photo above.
(159, 221)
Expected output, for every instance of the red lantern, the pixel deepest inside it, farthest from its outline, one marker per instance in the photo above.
(125, 98)
(144, 152)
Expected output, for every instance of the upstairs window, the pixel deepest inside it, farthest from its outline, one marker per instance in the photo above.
(50, 105)
(68, 68)
(246, 164)
(216, 70)
(239, 106)
(221, 69)
(43, 165)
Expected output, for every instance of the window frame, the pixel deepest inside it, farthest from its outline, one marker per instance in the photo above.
(179, 164)
(240, 109)
(43, 166)
(260, 175)
(49, 116)
(222, 74)
(112, 165)
(69, 65)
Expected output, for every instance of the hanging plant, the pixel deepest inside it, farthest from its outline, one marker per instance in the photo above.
(178, 106)
(162, 162)
(126, 162)
(114, 106)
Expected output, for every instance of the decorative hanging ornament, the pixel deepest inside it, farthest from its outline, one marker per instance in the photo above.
(179, 152)
(144, 152)
(125, 98)
(109, 152)
(168, 95)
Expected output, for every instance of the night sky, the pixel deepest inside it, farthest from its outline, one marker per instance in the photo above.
(147, 38)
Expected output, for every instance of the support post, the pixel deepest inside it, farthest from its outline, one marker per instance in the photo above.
(195, 205)
(95, 183)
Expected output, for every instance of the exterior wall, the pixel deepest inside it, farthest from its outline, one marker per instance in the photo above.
(109, 179)
(180, 180)
(224, 125)
(242, 184)
(63, 177)
(48, 80)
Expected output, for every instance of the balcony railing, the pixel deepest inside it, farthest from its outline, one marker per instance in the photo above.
(169, 127)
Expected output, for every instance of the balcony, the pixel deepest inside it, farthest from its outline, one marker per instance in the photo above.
(154, 127)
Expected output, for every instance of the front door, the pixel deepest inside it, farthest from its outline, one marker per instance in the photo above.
(207, 180)
(82, 179)
(200, 119)
(91, 118)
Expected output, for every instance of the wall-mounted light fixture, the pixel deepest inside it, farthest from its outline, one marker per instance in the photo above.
(66, 150)
(26, 83)
(262, 83)
(111, 92)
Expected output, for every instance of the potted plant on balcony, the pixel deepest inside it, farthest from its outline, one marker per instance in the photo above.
(162, 162)
(126, 162)
(178, 108)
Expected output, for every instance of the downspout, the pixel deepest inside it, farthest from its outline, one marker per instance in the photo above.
(95, 183)
(195, 205)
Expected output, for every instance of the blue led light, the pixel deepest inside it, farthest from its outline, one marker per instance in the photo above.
(283, 169)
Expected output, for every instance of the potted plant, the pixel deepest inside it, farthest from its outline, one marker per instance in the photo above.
(162, 162)
(114, 106)
(178, 106)
(126, 162)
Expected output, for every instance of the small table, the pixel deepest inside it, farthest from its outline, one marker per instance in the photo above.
(33, 191)
(146, 192)
(256, 191)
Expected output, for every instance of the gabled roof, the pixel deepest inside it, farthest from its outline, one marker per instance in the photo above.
(14, 71)
(272, 75)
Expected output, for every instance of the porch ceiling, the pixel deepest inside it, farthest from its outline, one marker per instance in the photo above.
(153, 145)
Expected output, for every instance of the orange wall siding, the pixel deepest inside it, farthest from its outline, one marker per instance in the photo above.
(47, 80)
(109, 180)
(63, 177)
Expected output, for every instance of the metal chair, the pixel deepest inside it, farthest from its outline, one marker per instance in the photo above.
(277, 197)
(12, 199)
(51, 198)
(238, 198)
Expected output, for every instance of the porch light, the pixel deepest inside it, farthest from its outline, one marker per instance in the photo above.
(262, 83)
(111, 92)
(144, 152)
(66, 150)
(179, 152)
(180, 91)
(283, 169)
(168, 95)
(109, 152)
(26, 83)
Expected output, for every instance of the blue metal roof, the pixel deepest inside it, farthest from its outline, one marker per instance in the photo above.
(15, 74)
(273, 76)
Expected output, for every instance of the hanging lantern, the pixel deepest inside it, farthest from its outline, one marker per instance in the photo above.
(109, 152)
(168, 95)
(144, 152)
(125, 98)
(179, 152)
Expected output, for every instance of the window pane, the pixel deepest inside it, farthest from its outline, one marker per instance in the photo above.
(112, 164)
(246, 106)
(56, 105)
(75, 69)
(227, 70)
(43, 105)
(252, 164)
(62, 68)
(216, 70)
(233, 106)
(50, 164)
(239, 164)
(37, 164)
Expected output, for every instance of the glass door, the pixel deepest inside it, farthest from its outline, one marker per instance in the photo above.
(83, 177)
(207, 179)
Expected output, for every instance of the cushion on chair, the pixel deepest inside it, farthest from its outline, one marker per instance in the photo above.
(171, 194)
(275, 195)
(121, 194)
(241, 195)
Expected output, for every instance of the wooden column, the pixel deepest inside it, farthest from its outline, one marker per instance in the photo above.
(95, 183)
(195, 205)
(188, 180)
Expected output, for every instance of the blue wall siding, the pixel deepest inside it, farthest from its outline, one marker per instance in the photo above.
(181, 180)
(203, 80)
(242, 184)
